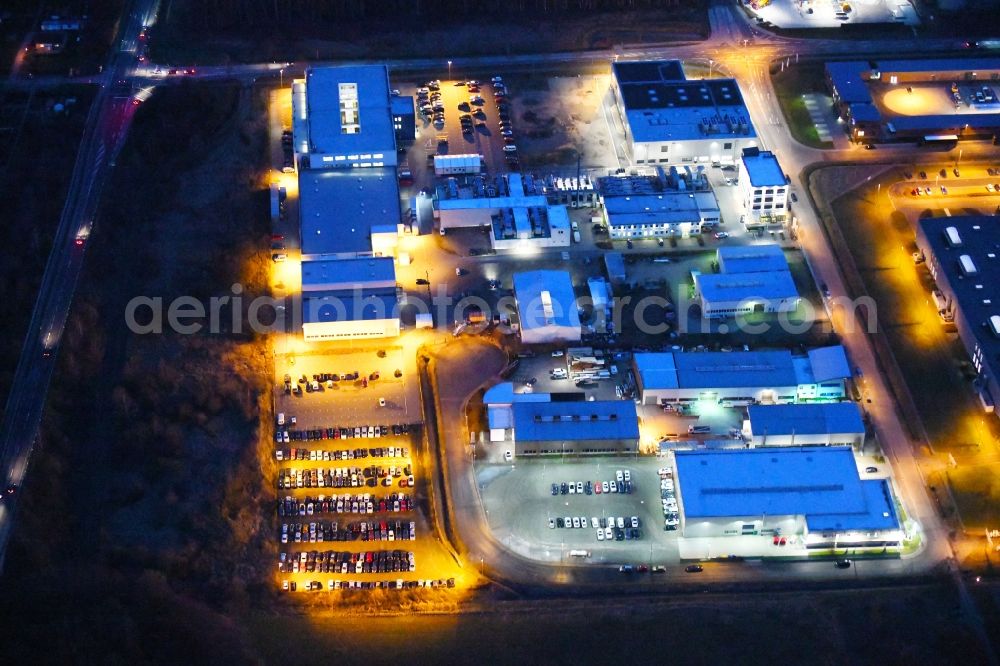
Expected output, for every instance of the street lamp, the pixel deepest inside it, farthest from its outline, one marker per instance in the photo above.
(449, 69)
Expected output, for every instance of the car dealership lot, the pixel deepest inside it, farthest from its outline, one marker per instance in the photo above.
(519, 504)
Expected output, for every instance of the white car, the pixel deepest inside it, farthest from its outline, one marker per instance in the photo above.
(628, 475)
(671, 521)
(572, 489)
(600, 534)
(557, 354)
(576, 521)
(609, 533)
(567, 521)
(619, 475)
(507, 149)
(508, 456)
(604, 487)
(620, 521)
(613, 486)
(593, 521)
(579, 487)
(635, 521)
(552, 523)
(671, 506)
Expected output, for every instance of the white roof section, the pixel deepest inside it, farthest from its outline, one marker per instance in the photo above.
(469, 161)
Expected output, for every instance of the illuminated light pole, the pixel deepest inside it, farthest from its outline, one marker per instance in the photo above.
(449, 69)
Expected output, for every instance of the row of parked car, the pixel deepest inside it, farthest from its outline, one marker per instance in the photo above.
(399, 584)
(350, 477)
(620, 485)
(382, 530)
(364, 503)
(287, 435)
(617, 528)
(668, 497)
(352, 454)
(430, 103)
(334, 561)
(288, 154)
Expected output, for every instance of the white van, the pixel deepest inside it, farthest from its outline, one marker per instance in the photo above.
(281, 418)
(579, 553)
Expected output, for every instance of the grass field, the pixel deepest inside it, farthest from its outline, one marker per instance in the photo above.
(789, 86)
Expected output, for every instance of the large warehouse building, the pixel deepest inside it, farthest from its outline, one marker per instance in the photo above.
(344, 136)
(753, 279)
(349, 298)
(342, 118)
(574, 427)
(809, 424)
(765, 377)
(815, 494)
(963, 258)
(546, 307)
(513, 207)
(677, 203)
(670, 119)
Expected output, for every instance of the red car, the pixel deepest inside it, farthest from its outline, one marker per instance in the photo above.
(597, 487)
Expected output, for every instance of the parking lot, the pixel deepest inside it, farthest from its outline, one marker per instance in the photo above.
(385, 374)
(519, 506)
(350, 511)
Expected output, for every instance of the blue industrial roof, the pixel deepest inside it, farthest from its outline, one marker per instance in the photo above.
(865, 112)
(938, 65)
(763, 168)
(657, 370)
(361, 306)
(805, 419)
(828, 363)
(821, 483)
(614, 262)
(954, 121)
(751, 258)
(323, 97)
(503, 393)
(338, 208)
(401, 105)
(582, 420)
(545, 298)
(347, 273)
(662, 105)
(846, 79)
(739, 287)
(695, 370)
